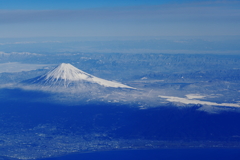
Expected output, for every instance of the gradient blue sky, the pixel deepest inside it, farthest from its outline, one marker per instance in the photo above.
(76, 18)
(80, 4)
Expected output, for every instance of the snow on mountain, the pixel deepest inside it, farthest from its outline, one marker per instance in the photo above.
(67, 75)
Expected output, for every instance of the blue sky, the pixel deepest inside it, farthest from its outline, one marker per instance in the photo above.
(75, 18)
(78, 4)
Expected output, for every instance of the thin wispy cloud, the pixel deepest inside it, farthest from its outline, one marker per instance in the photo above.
(195, 101)
(186, 19)
(171, 13)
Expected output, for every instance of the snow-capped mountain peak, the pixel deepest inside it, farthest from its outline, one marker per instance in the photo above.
(67, 75)
(66, 71)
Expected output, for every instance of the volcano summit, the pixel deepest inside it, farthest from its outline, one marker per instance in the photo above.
(67, 76)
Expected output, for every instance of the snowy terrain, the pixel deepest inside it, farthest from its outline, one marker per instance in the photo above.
(154, 76)
(67, 75)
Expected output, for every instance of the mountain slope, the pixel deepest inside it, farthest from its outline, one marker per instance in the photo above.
(67, 76)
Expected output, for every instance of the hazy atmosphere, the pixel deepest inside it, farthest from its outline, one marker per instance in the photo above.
(73, 18)
(125, 27)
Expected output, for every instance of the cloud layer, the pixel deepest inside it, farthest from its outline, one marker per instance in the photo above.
(195, 101)
(160, 20)
(165, 13)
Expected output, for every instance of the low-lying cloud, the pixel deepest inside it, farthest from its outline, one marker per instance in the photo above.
(19, 67)
(192, 100)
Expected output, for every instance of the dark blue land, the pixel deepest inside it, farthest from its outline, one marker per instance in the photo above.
(33, 127)
(23, 110)
(157, 154)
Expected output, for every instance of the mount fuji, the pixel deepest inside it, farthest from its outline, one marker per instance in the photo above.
(67, 76)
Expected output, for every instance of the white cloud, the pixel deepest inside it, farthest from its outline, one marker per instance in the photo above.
(214, 109)
(194, 96)
(194, 101)
(19, 67)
